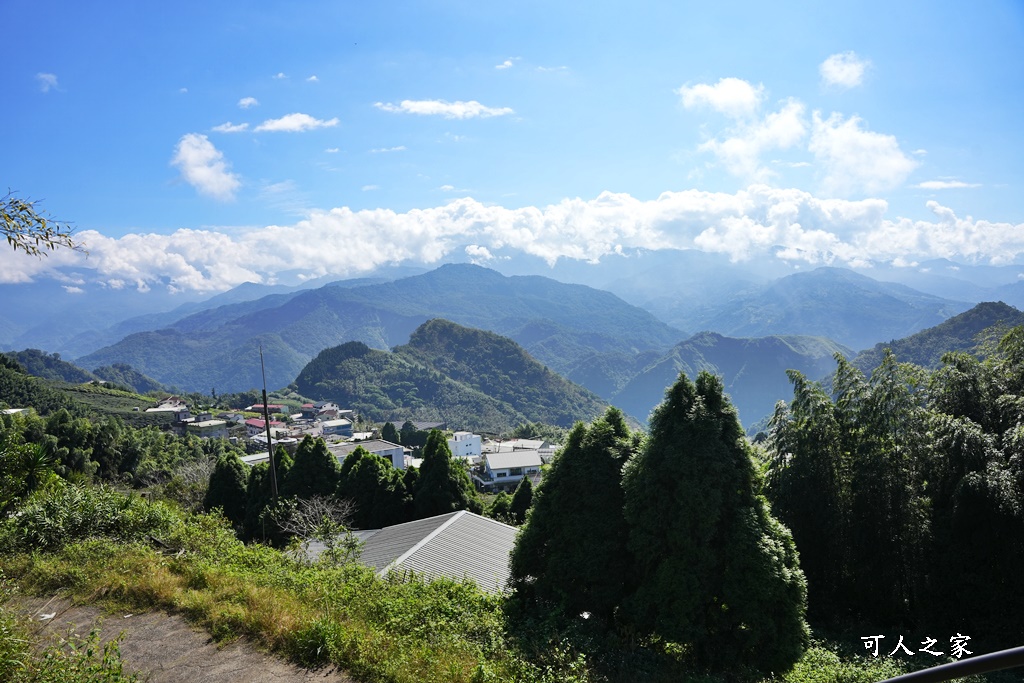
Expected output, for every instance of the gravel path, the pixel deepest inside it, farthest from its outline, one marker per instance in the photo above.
(164, 648)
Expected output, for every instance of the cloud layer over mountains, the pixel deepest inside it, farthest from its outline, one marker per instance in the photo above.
(757, 222)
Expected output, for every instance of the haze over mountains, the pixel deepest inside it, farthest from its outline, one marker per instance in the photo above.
(753, 320)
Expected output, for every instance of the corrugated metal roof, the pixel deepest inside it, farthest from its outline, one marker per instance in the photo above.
(456, 545)
(468, 546)
(500, 461)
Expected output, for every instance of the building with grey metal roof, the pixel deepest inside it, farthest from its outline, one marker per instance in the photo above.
(456, 545)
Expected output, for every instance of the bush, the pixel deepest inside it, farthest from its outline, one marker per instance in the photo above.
(70, 513)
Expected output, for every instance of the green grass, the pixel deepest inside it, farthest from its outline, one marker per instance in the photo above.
(392, 629)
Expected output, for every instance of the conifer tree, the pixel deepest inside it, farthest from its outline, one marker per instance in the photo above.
(389, 433)
(571, 556)
(375, 488)
(521, 501)
(227, 488)
(314, 471)
(443, 485)
(714, 570)
(500, 506)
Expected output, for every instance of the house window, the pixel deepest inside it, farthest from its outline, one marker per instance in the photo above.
(501, 474)
(516, 470)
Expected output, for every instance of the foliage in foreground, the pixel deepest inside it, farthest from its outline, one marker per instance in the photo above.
(394, 629)
(69, 660)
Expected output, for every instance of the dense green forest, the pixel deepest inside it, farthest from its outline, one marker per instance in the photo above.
(466, 377)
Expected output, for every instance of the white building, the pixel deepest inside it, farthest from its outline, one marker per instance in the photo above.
(340, 427)
(507, 468)
(465, 445)
(385, 449)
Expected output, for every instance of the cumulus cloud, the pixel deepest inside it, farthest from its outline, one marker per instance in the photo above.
(733, 97)
(312, 79)
(449, 110)
(203, 167)
(332, 150)
(856, 160)
(741, 150)
(47, 82)
(280, 75)
(945, 185)
(758, 222)
(843, 70)
(295, 123)
(231, 127)
(247, 102)
(507, 64)
(384, 150)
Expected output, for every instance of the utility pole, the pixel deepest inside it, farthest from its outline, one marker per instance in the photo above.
(266, 423)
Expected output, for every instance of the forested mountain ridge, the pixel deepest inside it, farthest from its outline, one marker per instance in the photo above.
(560, 324)
(836, 303)
(753, 371)
(472, 378)
(984, 324)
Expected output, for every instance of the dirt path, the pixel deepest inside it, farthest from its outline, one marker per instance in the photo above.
(165, 648)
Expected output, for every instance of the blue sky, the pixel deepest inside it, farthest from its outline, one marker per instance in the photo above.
(205, 144)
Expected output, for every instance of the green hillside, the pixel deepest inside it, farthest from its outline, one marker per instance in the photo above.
(753, 371)
(125, 375)
(465, 377)
(985, 323)
(50, 366)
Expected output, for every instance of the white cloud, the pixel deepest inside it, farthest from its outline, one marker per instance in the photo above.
(856, 160)
(312, 79)
(552, 68)
(507, 64)
(183, 90)
(449, 110)
(478, 253)
(758, 222)
(446, 188)
(332, 150)
(247, 102)
(844, 70)
(203, 167)
(384, 150)
(231, 127)
(945, 185)
(279, 76)
(740, 152)
(370, 188)
(295, 123)
(920, 152)
(733, 97)
(73, 290)
(47, 82)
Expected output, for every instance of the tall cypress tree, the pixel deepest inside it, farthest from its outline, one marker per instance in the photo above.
(715, 571)
(443, 485)
(314, 471)
(571, 556)
(227, 488)
(521, 501)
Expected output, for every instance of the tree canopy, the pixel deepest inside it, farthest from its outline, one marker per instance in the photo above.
(714, 570)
